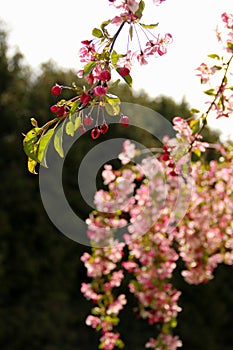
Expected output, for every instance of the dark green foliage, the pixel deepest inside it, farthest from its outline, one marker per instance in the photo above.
(41, 306)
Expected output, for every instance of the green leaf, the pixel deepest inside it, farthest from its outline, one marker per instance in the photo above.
(115, 57)
(77, 123)
(58, 139)
(109, 109)
(194, 111)
(197, 152)
(127, 78)
(97, 33)
(112, 104)
(140, 10)
(88, 67)
(210, 92)
(104, 24)
(31, 166)
(230, 45)
(73, 109)
(30, 143)
(70, 128)
(43, 147)
(120, 344)
(195, 125)
(149, 26)
(214, 56)
(217, 67)
(173, 322)
(103, 27)
(231, 88)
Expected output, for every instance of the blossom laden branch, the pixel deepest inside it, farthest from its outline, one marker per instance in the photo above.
(221, 104)
(99, 58)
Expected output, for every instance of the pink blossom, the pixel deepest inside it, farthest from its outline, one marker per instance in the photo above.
(117, 305)
(163, 42)
(228, 20)
(108, 340)
(108, 174)
(164, 342)
(87, 52)
(117, 20)
(129, 265)
(133, 5)
(115, 280)
(93, 321)
(126, 61)
(89, 293)
(115, 251)
(205, 72)
(129, 152)
(141, 57)
(158, 2)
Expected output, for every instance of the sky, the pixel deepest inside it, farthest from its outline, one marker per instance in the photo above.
(53, 29)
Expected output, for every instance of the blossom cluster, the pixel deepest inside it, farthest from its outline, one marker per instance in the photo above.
(140, 200)
(106, 277)
(205, 235)
(219, 74)
(203, 239)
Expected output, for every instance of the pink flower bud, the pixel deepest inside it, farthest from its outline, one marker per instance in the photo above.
(100, 90)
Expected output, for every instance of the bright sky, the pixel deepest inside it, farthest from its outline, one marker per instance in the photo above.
(48, 29)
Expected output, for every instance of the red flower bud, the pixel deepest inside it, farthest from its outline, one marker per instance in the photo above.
(85, 98)
(124, 121)
(104, 128)
(88, 120)
(61, 110)
(105, 75)
(95, 133)
(56, 90)
(54, 109)
(124, 71)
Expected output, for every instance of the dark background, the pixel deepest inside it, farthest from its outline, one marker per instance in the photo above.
(41, 306)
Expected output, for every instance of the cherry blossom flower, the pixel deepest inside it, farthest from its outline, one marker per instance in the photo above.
(108, 340)
(117, 305)
(92, 321)
(164, 342)
(204, 72)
